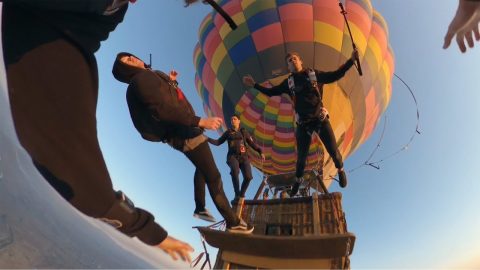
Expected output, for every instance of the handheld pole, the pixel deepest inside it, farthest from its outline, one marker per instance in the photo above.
(222, 12)
(357, 60)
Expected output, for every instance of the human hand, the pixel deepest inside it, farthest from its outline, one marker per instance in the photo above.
(323, 113)
(173, 75)
(175, 248)
(263, 156)
(248, 80)
(464, 25)
(354, 54)
(212, 123)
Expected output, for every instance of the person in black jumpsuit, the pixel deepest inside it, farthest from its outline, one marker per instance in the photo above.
(237, 156)
(161, 113)
(305, 87)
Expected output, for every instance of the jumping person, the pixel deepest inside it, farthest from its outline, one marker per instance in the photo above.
(237, 156)
(305, 87)
(161, 113)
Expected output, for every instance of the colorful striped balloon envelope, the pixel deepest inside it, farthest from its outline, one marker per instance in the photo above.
(267, 30)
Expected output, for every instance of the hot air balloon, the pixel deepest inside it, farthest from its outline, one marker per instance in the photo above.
(267, 30)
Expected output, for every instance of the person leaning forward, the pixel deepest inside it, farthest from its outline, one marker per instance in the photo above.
(161, 113)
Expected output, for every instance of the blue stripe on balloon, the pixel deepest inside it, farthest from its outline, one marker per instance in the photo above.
(200, 66)
(205, 95)
(205, 33)
(242, 50)
(262, 19)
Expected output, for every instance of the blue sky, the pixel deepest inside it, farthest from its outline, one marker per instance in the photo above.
(418, 211)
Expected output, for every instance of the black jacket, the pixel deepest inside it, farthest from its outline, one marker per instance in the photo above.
(236, 141)
(158, 108)
(38, 22)
(308, 101)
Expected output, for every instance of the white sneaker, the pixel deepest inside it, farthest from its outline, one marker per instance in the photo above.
(241, 228)
(204, 215)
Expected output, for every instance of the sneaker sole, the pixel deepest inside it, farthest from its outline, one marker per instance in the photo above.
(203, 218)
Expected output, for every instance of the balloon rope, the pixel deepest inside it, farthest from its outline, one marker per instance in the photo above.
(374, 150)
(375, 164)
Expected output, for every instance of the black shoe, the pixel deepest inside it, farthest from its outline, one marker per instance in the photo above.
(294, 189)
(241, 228)
(204, 215)
(342, 178)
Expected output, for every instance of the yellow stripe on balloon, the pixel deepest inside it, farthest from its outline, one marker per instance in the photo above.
(358, 37)
(217, 57)
(262, 136)
(328, 34)
(262, 98)
(247, 122)
(284, 118)
(225, 29)
(376, 51)
(270, 109)
(387, 72)
(218, 92)
(280, 144)
(283, 161)
(246, 3)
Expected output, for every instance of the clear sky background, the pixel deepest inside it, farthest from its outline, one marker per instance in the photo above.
(418, 211)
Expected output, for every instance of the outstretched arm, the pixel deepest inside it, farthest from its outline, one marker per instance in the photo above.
(220, 140)
(332, 76)
(277, 90)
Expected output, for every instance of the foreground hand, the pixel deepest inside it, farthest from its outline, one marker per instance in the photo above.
(263, 156)
(175, 248)
(248, 80)
(212, 123)
(464, 25)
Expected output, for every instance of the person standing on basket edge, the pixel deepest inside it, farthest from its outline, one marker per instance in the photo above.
(305, 88)
(237, 156)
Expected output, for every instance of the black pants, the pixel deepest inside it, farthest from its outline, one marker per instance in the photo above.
(206, 172)
(304, 134)
(237, 163)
